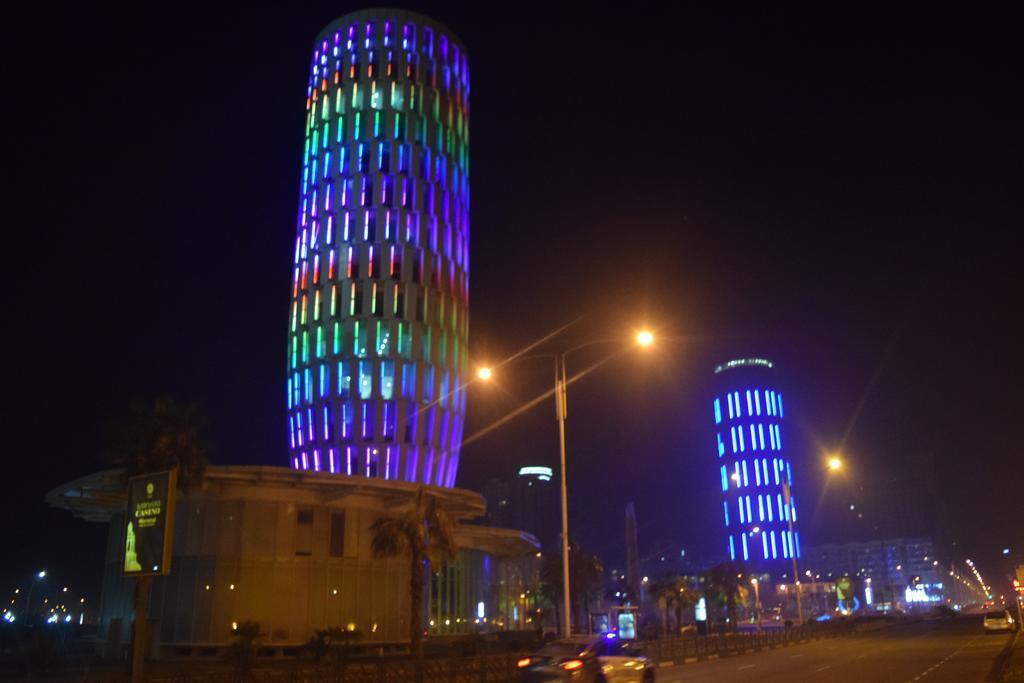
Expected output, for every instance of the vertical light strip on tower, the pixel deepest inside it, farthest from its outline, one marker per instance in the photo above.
(378, 322)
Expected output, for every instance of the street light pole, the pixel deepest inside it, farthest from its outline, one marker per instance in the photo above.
(792, 551)
(28, 598)
(560, 411)
(757, 602)
(643, 338)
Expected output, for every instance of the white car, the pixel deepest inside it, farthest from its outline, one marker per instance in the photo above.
(998, 621)
(587, 659)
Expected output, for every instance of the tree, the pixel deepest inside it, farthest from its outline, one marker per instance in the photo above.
(243, 648)
(687, 597)
(674, 593)
(333, 644)
(426, 534)
(724, 585)
(163, 435)
(586, 578)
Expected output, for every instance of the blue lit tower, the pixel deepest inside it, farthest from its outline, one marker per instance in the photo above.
(755, 466)
(378, 322)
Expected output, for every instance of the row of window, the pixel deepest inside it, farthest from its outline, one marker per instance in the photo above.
(366, 338)
(758, 473)
(330, 129)
(788, 541)
(394, 193)
(367, 226)
(735, 404)
(369, 35)
(766, 509)
(378, 263)
(365, 35)
(757, 438)
(363, 338)
(380, 300)
(336, 380)
(347, 422)
(439, 466)
(387, 77)
(451, 65)
(380, 114)
(370, 157)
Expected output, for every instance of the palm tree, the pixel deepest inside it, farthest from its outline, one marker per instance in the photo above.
(427, 534)
(586, 577)
(724, 585)
(686, 598)
(663, 590)
(675, 593)
(163, 435)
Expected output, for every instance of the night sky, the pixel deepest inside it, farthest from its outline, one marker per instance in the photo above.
(839, 191)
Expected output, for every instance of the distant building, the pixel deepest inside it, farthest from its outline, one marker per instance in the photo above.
(755, 466)
(900, 572)
(526, 501)
(902, 501)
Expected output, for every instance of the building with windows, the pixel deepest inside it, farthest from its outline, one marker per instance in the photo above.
(893, 573)
(292, 550)
(756, 476)
(527, 502)
(378, 322)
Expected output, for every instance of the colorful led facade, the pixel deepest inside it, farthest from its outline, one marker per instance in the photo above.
(754, 466)
(378, 322)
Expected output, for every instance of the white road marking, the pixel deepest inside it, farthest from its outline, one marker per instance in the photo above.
(748, 666)
(827, 666)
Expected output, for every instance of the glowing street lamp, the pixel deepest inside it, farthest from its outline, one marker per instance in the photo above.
(645, 338)
(484, 373)
(834, 463)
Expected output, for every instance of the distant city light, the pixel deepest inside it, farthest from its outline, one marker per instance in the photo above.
(742, 362)
(542, 473)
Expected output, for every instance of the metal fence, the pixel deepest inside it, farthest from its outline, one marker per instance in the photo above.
(491, 668)
(679, 650)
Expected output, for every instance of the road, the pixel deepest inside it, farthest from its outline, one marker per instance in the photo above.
(941, 651)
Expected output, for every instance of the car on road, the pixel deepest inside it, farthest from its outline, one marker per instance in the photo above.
(587, 659)
(998, 620)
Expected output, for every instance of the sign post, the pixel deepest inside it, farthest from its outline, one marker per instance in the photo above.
(146, 550)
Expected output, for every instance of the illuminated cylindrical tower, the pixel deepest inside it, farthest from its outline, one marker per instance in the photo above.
(379, 321)
(757, 504)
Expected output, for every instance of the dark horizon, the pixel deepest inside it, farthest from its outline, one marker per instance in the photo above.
(836, 191)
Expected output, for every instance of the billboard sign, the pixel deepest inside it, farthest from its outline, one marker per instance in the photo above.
(149, 524)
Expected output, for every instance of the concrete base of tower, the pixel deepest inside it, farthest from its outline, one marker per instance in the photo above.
(291, 550)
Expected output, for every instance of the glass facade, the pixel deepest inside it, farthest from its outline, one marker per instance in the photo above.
(756, 479)
(378, 321)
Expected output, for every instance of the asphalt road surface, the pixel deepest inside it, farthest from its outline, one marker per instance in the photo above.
(940, 651)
